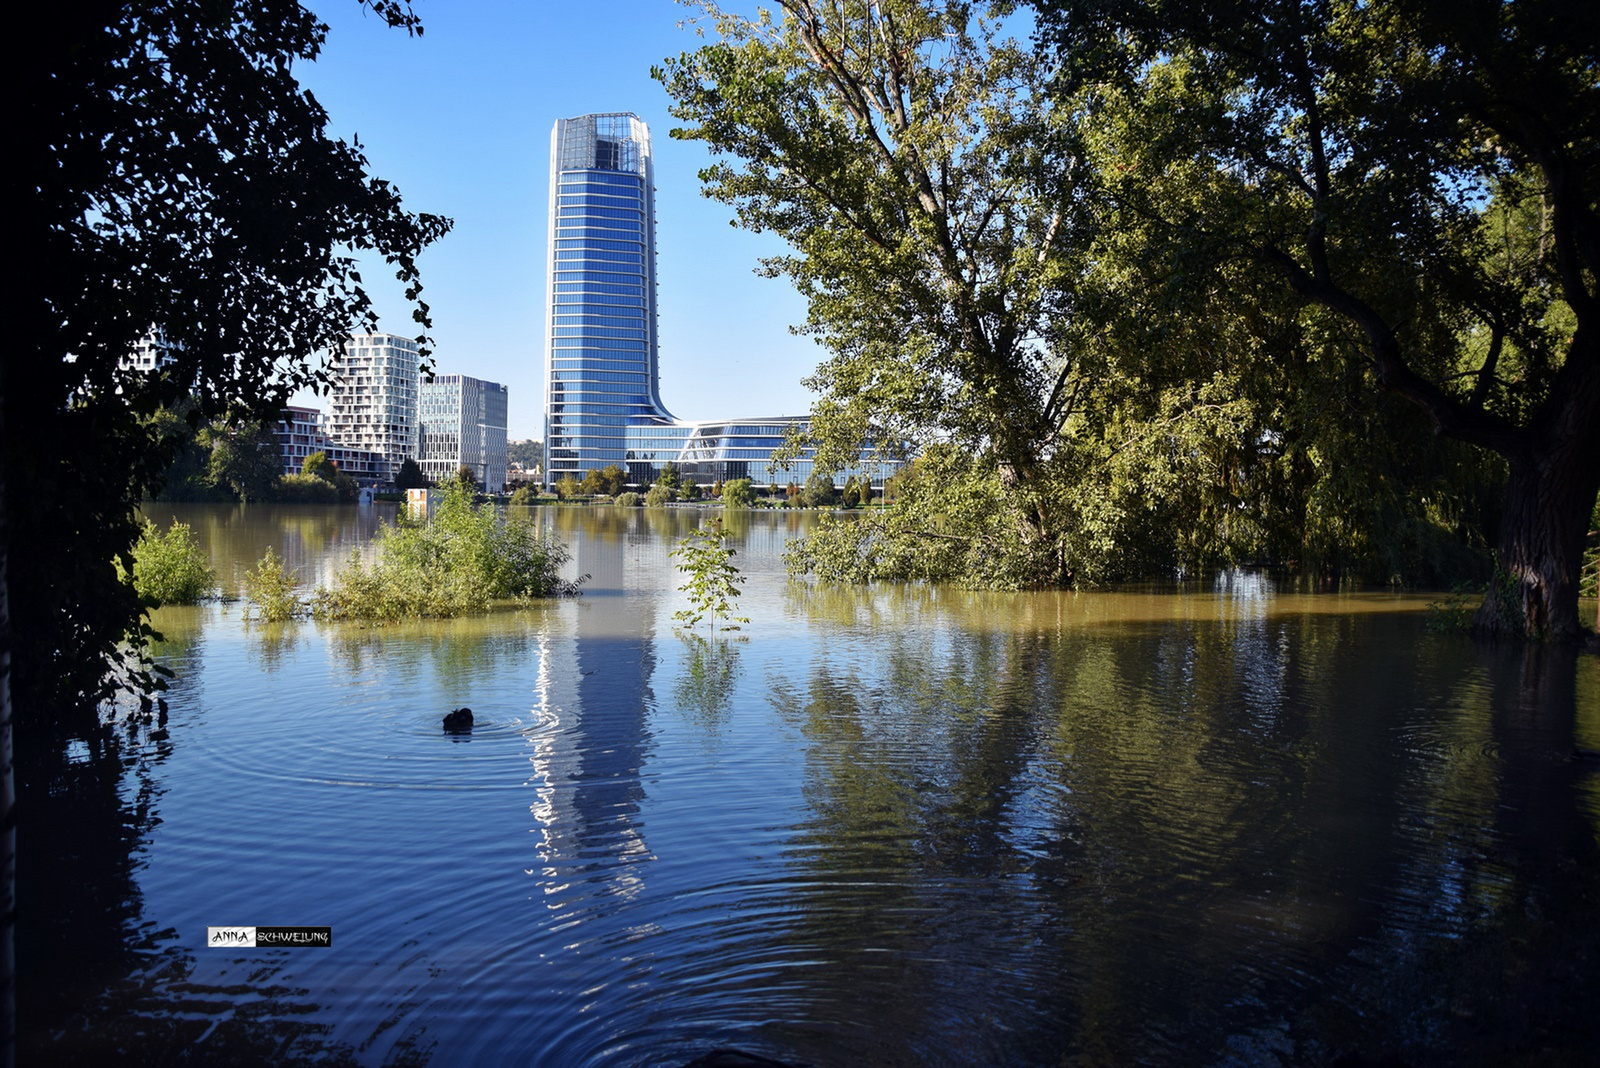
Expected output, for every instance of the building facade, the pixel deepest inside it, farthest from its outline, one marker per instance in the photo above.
(299, 434)
(602, 399)
(462, 423)
(373, 403)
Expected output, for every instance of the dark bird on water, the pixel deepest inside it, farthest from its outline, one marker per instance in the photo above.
(458, 722)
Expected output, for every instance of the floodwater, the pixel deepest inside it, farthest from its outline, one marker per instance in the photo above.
(1225, 824)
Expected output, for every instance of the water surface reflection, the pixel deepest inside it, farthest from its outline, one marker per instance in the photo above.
(1222, 824)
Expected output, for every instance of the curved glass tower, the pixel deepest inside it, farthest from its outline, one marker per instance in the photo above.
(601, 351)
(603, 400)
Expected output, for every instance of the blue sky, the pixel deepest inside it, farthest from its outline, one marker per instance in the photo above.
(460, 120)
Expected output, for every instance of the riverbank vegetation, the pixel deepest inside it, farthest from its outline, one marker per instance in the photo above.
(465, 558)
(1145, 301)
(169, 567)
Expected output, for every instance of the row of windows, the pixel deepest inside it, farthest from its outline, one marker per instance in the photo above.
(597, 343)
(597, 332)
(599, 320)
(596, 409)
(598, 213)
(595, 256)
(599, 242)
(596, 277)
(584, 229)
(600, 294)
(613, 198)
(600, 393)
(563, 377)
(600, 178)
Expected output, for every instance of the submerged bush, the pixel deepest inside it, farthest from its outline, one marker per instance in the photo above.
(627, 500)
(658, 495)
(170, 568)
(306, 489)
(269, 591)
(462, 560)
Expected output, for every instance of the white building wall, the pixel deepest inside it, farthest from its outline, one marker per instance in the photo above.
(373, 405)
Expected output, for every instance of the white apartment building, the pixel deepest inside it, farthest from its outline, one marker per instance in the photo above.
(373, 404)
(463, 424)
(299, 434)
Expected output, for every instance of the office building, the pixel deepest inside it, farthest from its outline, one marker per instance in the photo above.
(462, 423)
(373, 403)
(603, 402)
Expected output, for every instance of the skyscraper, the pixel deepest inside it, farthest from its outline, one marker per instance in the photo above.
(601, 349)
(603, 401)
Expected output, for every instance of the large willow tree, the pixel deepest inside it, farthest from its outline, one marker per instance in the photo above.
(907, 153)
(987, 262)
(1421, 178)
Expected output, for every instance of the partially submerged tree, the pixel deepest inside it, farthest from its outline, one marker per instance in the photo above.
(908, 154)
(1423, 174)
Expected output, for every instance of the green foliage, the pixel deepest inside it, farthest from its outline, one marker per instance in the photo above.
(659, 494)
(244, 460)
(712, 580)
(737, 493)
(305, 489)
(609, 480)
(270, 591)
(170, 568)
(1453, 614)
(319, 465)
(1589, 580)
(528, 454)
(568, 487)
(523, 496)
(954, 522)
(462, 560)
(467, 477)
(668, 476)
(627, 500)
(819, 492)
(409, 476)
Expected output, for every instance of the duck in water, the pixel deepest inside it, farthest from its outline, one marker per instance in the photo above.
(458, 722)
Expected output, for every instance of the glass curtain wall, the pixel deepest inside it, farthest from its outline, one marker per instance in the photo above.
(601, 351)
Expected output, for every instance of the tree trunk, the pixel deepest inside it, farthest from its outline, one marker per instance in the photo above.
(8, 791)
(1549, 498)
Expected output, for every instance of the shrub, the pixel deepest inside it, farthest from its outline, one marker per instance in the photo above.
(737, 493)
(524, 496)
(306, 489)
(713, 582)
(170, 568)
(568, 487)
(627, 500)
(270, 591)
(658, 495)
(462, 560)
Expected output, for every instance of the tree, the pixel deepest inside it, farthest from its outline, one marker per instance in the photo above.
(528, 453)
(819, 492)
(244, 460)
(712, 580)
(907, 152)
(1423, 175)
(319, 465)
(737, 493)
(166, 172)
(466, 477)
(409, 476)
